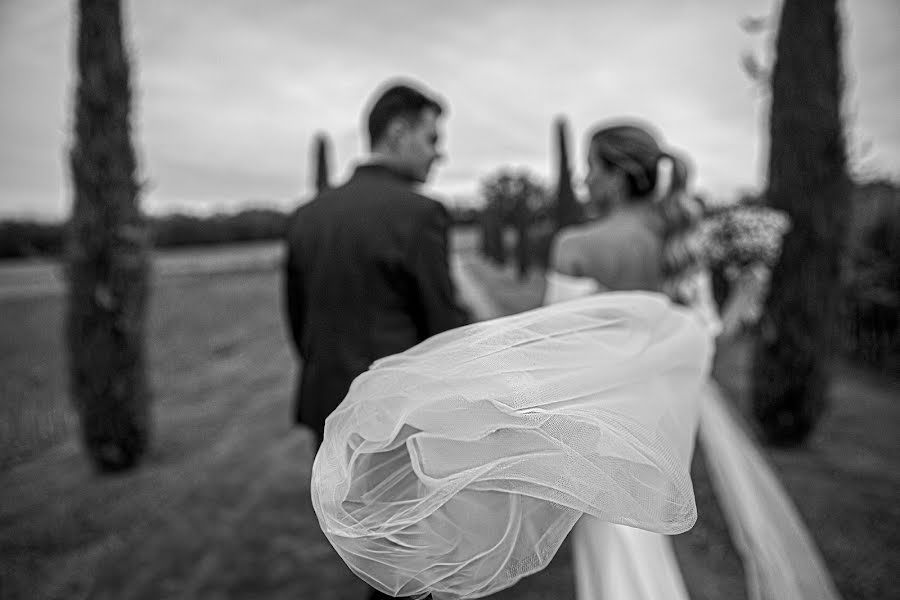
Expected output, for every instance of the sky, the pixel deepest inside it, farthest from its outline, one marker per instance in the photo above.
(228, 94)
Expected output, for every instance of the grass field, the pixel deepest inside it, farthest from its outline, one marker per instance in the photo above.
(221, 507)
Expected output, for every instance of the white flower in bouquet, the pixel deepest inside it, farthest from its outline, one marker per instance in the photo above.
(743, 236)
(744, 242)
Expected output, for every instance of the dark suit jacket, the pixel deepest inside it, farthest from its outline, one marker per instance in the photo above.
(366, 275)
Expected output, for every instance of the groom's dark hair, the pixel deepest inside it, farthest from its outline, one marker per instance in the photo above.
(398, 100)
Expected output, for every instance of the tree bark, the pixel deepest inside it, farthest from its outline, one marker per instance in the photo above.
(108, 250)
(808, 179)
(522, 223)
(493, 245)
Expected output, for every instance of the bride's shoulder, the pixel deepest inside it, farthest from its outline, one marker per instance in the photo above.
(571, 240)
(582, 232)
(584, 249)
(593, 235)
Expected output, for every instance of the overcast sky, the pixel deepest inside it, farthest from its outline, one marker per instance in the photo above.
(229, 93)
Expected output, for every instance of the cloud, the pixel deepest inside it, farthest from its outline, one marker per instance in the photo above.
(229, 94)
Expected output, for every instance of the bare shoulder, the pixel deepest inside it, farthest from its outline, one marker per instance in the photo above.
(589, 234)
(569, 249)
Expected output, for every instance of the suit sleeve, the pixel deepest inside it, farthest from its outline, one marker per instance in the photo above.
(429, 263)
(294, 298)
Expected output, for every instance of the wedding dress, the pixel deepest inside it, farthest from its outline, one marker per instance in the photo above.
(459, 466)
(781, 561)
(612, 561)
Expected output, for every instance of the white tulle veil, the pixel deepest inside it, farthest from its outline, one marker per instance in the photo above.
(459, 466)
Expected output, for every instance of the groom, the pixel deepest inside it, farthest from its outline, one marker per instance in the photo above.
(367, 268)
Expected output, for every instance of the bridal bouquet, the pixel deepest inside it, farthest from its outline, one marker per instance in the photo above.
(739, 238)
(743, 242)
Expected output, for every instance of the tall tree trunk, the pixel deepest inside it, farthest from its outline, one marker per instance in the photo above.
(493, 245)
(107, 258)
(808, 179)
(522, 223)
(321, 154)
(567, 209)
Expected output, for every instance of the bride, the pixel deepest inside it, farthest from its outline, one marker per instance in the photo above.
(645, 243)
(635, 247)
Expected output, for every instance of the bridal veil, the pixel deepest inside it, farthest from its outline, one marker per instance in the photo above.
(459, 466)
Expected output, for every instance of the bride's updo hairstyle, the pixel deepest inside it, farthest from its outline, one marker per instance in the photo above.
(635, 151)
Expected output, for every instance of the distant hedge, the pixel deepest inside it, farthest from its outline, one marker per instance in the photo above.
(246, 226)
(21, 239)
(30, 239)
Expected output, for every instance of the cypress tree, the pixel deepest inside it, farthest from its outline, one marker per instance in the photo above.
(807, 178)
(567, 209)
(321, 164)
(107, 259)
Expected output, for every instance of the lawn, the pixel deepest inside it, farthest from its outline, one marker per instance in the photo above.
(221, 507)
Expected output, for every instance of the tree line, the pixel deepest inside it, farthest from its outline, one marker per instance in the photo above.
(40, 239)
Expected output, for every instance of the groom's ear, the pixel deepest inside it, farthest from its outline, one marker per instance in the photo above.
(395, 130)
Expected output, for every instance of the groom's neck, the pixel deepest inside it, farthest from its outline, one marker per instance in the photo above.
(392, 163)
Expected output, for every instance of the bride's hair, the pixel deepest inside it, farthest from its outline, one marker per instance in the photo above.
(633, 149)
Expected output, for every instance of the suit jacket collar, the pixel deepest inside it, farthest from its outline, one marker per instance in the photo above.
(374, 167)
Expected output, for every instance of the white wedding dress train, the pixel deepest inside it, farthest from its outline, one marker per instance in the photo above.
(616, 561)
(781, 560)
